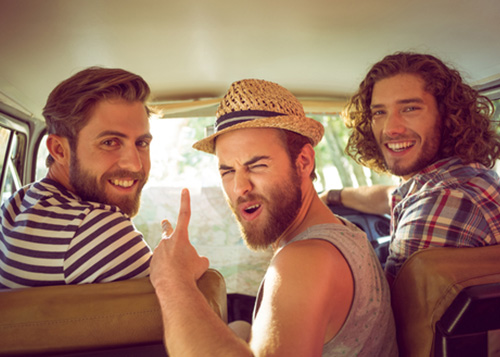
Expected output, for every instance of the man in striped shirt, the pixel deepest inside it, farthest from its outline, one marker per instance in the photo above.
(74, 226)
(414, 117)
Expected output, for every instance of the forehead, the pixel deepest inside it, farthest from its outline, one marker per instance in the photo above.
(398, 87)
(118, 115)
(249, 142)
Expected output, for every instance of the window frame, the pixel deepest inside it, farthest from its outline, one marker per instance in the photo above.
(32, 131)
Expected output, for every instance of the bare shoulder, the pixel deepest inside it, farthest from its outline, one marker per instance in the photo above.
(309, 264)
(312, 277)
(314, 253)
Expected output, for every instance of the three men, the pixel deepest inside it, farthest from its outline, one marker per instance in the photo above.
(74, 226)
(324, 291)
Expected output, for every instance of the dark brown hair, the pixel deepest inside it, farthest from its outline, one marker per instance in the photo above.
(465, 115)
(72, 102)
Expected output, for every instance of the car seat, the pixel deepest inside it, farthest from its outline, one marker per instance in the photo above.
(446, 302)
(120, 318)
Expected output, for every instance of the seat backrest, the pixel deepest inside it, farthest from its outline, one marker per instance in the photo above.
(428, 283)
(471, 324)
(76, 318)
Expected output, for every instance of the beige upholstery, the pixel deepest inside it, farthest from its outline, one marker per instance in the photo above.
(82, 317)
(427, 284)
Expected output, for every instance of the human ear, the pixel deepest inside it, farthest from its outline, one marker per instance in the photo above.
(305, 160)
(59, 149)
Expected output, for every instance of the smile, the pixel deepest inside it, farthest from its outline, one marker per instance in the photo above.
(122, 183)
(400, 146)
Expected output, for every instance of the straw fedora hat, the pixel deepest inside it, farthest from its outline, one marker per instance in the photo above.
(254, 103)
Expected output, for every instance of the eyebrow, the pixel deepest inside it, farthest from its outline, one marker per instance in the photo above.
(402, 101)
(121, 135)
(253, 160)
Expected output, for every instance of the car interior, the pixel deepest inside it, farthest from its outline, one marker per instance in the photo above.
(446, 301)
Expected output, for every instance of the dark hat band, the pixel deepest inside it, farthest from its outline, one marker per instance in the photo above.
(233, 118)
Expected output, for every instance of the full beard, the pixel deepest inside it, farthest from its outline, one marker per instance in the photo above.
(88, 188)
(400, 168)
(430, 154)
(283, 206)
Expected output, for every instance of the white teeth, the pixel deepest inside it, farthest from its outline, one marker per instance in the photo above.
(400, 146)
(123, 183)
(252, 208)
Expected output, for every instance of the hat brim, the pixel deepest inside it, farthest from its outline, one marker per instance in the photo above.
(305, 126)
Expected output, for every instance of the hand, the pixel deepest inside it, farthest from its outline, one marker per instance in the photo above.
(175, 259)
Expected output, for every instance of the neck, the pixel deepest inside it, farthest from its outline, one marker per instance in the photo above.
(59, 174)
(312, 212)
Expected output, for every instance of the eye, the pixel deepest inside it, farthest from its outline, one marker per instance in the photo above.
(411, 109)
(258, 166)
(225, 172)
(143, 144)
(110, 142)
(377, 113)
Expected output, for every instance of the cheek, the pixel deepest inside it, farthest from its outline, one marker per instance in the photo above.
(376, 129)
(226, 187)
(146, 161)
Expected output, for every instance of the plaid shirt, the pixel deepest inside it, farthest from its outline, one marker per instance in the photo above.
(448, 204)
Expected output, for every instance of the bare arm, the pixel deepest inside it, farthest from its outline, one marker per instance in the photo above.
(191, 327)
(307, 295)
(368, 199)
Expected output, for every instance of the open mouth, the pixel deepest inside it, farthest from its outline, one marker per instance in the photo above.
(401, 146)
(122, 183)
(252, 209)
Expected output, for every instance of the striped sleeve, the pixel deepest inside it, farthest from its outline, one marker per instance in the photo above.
(106, 247)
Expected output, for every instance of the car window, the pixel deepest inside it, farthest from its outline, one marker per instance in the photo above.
(41, 156)
(4, 140)
(12, 152)
(496, 115)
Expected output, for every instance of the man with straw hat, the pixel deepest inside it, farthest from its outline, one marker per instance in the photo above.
(324, 292)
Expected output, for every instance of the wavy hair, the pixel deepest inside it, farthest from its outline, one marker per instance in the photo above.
(465, 115)
(72, 102)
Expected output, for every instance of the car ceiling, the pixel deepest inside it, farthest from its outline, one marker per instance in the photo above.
(192, 49)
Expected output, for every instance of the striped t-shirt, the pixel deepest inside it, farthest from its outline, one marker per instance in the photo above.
(51, 237)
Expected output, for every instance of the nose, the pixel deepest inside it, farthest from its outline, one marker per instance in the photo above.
(130, 159)
(394, 124)
(242, 183)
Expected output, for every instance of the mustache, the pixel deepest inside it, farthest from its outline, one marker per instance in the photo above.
(139, 176)
(386, 137)
(248, 198)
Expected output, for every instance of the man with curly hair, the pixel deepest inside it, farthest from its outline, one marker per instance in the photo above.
(414, 117)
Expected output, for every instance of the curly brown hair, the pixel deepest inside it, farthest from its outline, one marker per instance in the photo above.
(466, 115)
(72, 102)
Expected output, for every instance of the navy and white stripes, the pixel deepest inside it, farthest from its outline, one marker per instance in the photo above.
(49, 237)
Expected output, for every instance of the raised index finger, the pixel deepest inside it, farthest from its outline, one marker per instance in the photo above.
(184, 213)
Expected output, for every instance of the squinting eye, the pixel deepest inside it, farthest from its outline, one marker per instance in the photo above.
(224, 173)
(258, 166)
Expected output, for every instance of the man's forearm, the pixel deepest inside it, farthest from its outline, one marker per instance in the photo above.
(192, 328)
(368, 199)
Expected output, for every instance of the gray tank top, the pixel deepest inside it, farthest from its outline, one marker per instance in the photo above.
(369, 329)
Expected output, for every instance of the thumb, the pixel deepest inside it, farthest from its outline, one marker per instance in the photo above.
(167, 229)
